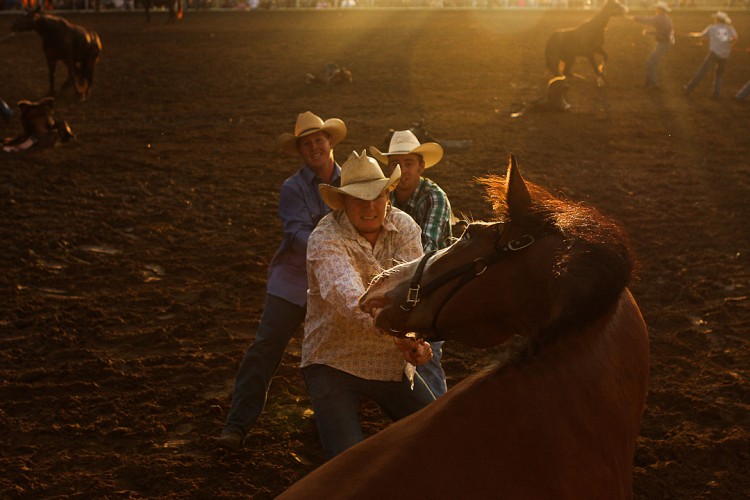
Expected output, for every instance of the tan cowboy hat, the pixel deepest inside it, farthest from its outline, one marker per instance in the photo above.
(723, 16)
(309, 123)
(404, 142)
(362, 178)
(663, 6)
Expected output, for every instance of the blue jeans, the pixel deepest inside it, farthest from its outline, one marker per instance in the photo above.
(279, 322)
(652, 65)
(336, 398)
(432, 372)
(710, 60)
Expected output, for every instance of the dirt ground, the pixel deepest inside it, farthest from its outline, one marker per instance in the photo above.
(134, 261)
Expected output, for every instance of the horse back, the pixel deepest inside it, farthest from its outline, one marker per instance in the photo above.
(562, 424)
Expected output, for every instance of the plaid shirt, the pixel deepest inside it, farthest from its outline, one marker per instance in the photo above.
(428, 205)
(340, 265)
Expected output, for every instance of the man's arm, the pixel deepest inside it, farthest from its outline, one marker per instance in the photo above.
(339, 282)
(296, 219)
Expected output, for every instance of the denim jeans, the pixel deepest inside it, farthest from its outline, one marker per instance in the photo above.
(336, 398)
(279, 322)
(652, 65)
(710, 60)
(432, 372)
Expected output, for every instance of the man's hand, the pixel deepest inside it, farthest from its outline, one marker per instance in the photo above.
(416, 352)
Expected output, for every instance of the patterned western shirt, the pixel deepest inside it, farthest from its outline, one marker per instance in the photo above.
(340, 265)
(429, 207)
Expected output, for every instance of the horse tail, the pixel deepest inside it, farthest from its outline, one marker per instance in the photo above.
(179, 9)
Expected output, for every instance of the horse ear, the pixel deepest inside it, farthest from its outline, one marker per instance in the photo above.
(517, 197)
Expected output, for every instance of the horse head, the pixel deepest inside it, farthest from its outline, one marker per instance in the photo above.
(543, 266)
(615, 8)
(27, 21)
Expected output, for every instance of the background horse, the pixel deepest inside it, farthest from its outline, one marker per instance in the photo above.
(77, 47)
(174, 7)
(587, 40)
(559, 416)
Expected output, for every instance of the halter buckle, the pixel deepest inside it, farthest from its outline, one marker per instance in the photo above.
(412, 297)
(521, 242)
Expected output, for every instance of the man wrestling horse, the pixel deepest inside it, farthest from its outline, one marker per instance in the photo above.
(587, 40)
(559, 414)
(77, 47)
(41, 127)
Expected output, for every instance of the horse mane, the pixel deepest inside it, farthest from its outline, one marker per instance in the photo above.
(595, 263)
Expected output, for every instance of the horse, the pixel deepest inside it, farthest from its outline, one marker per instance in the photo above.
(586, 40)
(77, 47)
(174, 7)
(40, 127)
(559, 414)
(555, 98)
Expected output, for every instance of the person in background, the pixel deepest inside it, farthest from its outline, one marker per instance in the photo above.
(300, 210)
(344, 356)
(722, 36)
(663, 33)
(428, 205)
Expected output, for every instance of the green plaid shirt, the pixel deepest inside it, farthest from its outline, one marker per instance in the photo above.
(429, 207)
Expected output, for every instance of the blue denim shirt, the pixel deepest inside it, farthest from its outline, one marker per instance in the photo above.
(300, 210)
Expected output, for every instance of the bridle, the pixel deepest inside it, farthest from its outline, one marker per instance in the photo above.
(466, 272)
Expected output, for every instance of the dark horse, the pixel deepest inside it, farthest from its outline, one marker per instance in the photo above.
(587, 40)
(559, 415)
(174, 7)
(77, 47)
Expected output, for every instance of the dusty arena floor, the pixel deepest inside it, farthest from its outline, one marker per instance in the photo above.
(134, 260)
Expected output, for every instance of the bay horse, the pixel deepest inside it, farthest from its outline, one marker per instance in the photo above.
(586, 40)
(174, 7)
(558, 417)
(77, 47)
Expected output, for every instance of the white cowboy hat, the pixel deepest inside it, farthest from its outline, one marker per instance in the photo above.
(362, 178)
(663, 6)
(404, 142)
(309, 123)
(722, 16)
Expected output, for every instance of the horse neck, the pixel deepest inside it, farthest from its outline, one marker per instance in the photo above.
(601, 19)
(43, 26)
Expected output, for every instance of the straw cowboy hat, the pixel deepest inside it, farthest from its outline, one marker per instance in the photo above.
(723, 17)
(663, 6)
(309, 123)
(362, 178)
(404, 142)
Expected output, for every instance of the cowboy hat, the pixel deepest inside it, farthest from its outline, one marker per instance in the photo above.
(309, 123)
(663, 6)
(723, 17)
(362, 178)
(404, 142)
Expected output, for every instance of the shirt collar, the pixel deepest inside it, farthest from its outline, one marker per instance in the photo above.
(311, 177)
(414, 196)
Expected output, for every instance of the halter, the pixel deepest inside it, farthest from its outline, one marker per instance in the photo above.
(467, 272)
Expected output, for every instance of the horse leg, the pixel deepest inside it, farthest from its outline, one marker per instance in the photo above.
(598, 69)
(72, 80)
(51, 64)
(567, 65)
